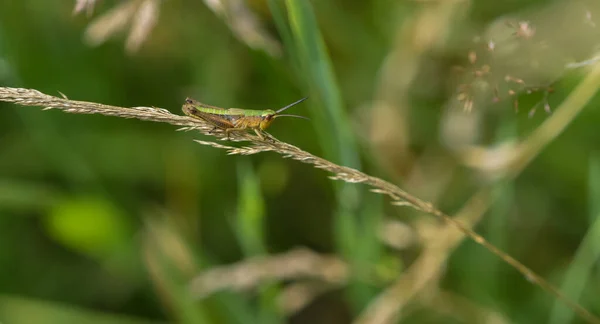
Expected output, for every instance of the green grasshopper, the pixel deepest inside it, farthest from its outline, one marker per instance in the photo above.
(235, 119)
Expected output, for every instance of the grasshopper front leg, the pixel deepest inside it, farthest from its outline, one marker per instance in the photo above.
(259, 133)
(265, 135)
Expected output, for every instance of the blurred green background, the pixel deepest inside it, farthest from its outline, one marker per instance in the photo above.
(106, 220)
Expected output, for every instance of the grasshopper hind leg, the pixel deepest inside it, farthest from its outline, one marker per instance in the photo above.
(230, 130)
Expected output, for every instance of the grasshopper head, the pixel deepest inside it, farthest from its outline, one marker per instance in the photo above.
(267, 118)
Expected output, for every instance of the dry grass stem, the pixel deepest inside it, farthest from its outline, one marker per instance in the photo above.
(245, 25)
(296, 296)
(463, 309)
(141, 15)
(29, 97)
(250, 273)
(397, 235)
(319, 274)
(111, 22)
(142, 24)
(81, 5)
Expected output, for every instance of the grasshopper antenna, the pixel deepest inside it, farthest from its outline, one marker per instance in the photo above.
(290, 105)
(291, 116)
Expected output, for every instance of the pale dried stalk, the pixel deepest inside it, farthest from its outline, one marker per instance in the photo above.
(317, 274)
(141, 15)
(296, 296)
(29, 97)
(245, 25)
(463, 309)
(295, 264)
(81, 5)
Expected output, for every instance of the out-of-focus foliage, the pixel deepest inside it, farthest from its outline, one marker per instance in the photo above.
(106, 220)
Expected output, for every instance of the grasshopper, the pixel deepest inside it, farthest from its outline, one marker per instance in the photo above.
(235, 119)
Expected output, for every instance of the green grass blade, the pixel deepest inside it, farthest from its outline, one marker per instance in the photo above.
(587, 255)
(251, 211)
(317, 64)
(353, 221)
(280, 19)
(20, 310)
(250, 233)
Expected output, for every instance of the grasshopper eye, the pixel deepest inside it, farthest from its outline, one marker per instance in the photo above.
(189, 101)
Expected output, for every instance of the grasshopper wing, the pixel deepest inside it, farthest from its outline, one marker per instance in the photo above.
(217, 120)
(236, 112)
